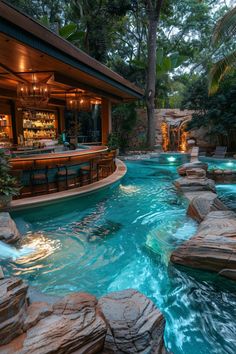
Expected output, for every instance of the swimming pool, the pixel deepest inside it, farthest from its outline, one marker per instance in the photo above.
(121, 238)
(224, 164)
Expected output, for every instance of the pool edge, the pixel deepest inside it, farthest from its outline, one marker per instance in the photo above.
(36, 201)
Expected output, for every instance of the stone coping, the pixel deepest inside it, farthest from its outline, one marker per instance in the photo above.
(32, 202)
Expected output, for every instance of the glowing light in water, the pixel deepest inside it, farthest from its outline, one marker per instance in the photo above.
(230, 163)
(129, 189)
(40, 246)
(171, 159)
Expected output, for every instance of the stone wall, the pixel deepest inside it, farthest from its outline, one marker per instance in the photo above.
(138, 138)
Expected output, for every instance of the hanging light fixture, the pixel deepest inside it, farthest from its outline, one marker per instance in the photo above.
(85, 104)
(72, 100)
(33, 94)
(78, 101)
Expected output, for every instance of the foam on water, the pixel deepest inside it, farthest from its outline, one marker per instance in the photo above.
(7, 251)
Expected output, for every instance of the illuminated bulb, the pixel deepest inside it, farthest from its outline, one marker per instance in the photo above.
(34, 88)
(171, 159)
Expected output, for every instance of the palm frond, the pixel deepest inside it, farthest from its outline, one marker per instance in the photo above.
(226, 27)
(68, 30)
(219, 70)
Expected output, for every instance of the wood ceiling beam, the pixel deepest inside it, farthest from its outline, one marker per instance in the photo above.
(63, 79)
(16, 76)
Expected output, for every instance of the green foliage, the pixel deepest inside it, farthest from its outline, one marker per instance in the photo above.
(113, 141)
(217, 112)
(223, 33)
(8, 184)
(124, 119)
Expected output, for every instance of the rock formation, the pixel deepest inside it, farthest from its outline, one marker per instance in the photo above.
(213, 248)
(185, 184)
(13, 306)
(191, 165)
(202, 204)
(134, 323)
(125, 321)
(8, 230)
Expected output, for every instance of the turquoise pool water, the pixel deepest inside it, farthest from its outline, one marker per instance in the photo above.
(224, 164)
(227, 194)
(121, 238)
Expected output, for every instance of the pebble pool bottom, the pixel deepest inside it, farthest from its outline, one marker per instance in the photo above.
(122, 238)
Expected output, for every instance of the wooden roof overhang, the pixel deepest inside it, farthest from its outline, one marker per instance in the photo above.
(27, 47)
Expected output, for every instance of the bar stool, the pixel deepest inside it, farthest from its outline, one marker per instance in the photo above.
(39, 177)
(89, 173)
(106, 165)
(66, 173)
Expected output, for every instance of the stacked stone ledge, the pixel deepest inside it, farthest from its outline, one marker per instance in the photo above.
(121, 322)
(213, 248)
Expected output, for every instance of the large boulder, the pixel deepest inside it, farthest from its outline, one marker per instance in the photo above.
(213, 248)
(75, 325)
(8, 230)
(186, 185)
(204, 203)
(13, 307)
(122, 322)
(192, 165)
(135, 325)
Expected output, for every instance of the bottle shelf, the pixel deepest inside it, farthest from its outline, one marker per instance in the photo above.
(40, 128)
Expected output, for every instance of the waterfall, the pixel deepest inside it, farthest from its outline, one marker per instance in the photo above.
(8, 251)
(173, 134)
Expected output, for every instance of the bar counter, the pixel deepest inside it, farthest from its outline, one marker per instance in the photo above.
(52, 172)
(31, 156)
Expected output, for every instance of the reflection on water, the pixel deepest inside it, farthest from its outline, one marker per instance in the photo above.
(122, 238)
(40, 247)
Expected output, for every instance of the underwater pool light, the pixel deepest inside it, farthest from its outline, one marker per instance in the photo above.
(230, 163)
(171, 159)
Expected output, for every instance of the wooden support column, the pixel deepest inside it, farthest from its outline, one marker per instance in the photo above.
(106, 120)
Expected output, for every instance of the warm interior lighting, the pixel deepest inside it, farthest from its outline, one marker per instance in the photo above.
(78, 101)
(33, 94)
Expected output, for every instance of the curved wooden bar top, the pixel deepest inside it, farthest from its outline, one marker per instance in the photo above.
(92, 151)
(52, 172)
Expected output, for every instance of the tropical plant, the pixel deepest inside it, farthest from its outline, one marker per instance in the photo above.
(8, 184)
(124, 118)
(113, 141)
(216, 113)
(224, 31)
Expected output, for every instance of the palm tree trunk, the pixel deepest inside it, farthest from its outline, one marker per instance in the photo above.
(151, 82)
(153, 9)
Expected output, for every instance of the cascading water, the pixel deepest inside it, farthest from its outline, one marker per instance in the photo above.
(173, 134)
(7, 251)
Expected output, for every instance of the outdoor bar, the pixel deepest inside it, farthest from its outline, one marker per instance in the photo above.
(55, 107)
